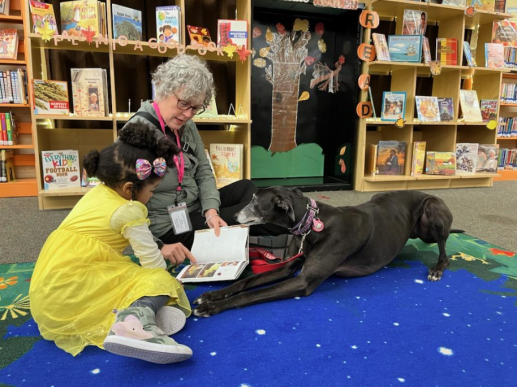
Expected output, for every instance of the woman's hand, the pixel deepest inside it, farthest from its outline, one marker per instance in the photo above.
(213, 220)
(176, 253)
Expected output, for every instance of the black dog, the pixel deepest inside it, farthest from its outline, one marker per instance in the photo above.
(346, 241)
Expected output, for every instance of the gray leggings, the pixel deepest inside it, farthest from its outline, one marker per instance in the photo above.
(153, 302)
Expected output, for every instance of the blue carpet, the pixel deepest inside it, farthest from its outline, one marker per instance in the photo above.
(392, 328)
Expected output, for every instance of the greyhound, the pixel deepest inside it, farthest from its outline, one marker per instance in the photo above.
(350, 241)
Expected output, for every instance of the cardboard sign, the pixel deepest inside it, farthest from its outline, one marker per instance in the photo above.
(369, 19)
(364, 81)
(366, 52)
(364, 109)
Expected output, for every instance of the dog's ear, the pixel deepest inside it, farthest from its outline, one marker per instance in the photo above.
(284, 203)
(296, 191)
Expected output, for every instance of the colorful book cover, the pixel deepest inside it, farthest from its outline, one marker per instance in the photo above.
(42, 13)
(504, 32)
(417, 164)
(494, 55)
(405, 48)
(50, 97)
(466, 158)
(414, 22)
(427, 109)
(8, 44)
(440, 163)
(168, 24)
(391, 157)
(487, 158)
(207, 154)
(455, 3)
(426, 50)
(393, 105)
(470, 106)
(381, 47)
(446, 109)
(89, 92)
(60, 169)
(82, 15)
(227, 160)
(500, 6)
(471, 61)
(447, 51)
(234, 32)
(201, 35)
(127, 22)
(488, 109)
(484, 5)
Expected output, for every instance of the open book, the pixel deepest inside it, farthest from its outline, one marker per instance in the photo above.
(219, 258)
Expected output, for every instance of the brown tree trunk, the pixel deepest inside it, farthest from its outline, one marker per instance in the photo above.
(286, 84)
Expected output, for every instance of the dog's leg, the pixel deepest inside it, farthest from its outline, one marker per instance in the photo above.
(257, 280)
(440, 221)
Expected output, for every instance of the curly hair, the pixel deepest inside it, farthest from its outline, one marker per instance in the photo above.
(116, 164)
(186, 72)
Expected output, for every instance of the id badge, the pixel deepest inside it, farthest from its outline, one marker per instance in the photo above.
(180, 218)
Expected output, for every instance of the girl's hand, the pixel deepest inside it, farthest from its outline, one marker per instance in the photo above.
(213, 220)
(176, 253)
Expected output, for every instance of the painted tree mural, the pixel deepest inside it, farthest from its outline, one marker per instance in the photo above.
(286, 52)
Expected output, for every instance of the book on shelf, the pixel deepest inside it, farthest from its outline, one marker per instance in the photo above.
(507, 159)
(50, 97)
(90, 92)
(487, 158)
(83, 15)
(87, 181)
(427, 108)
(466, 158)
(440, 163)
(507, 127)
(391, 157)
(510, 57)
(371, 160)
(42, 13)
(471, 61)
(7, 173)
(504, 32)
(8, 130)
(207, 154)
(405, 48)
(500, 6)
(168, 24)
(227, 160)
(484, 5)
(446, 109)
(418, 160)
(470, 106)
(8, 43)
(393, 105)
(219, 258)
(127, 22)
(4, 7)
(508, 93)
(414, 22)
(234, 32)
(200, 35)
(426, 50)
(494, 55)
(488, 109)
(13, 86)
(455, 3)
(60, 169)
(381, 47)
(447, 51)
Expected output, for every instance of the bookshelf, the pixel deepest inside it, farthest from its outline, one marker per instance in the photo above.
(507, 110)
(445, 22)
(24, 160)
(59, 132)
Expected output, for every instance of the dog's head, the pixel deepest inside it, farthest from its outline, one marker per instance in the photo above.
(276, 205)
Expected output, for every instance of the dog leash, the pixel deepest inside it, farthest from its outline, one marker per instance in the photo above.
(310, 220)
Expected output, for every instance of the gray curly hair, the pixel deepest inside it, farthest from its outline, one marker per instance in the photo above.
(186, 72)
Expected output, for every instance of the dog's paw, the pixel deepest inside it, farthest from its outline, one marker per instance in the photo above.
(214, 295)
(434, 275)
(206, 309)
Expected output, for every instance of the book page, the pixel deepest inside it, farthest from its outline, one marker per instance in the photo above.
(230, 245)
(212, 271)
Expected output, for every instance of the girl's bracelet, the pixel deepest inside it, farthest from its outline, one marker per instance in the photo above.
(210, 217)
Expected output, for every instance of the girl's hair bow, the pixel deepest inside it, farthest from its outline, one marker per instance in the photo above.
(144, 168)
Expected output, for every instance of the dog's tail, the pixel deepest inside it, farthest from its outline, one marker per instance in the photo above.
(456, 231)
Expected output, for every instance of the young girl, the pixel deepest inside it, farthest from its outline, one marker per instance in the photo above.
(81, 277)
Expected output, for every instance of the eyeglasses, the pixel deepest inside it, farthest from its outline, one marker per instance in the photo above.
(184, 105)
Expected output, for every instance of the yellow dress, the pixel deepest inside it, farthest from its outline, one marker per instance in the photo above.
(81, 275)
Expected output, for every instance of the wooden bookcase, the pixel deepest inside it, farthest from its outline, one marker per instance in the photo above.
(47, 137)
(507, 110)
(24, 159)
(451, 22)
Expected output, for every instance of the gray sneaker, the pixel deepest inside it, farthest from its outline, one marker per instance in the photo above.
(135, 334)
(171, 320)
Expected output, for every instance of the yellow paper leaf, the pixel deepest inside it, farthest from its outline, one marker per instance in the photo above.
(322, 45)
(269, 35)
(264, 51)
(304, 96)
(492, 124)
(342, 151)
(230, 50)
(301, 25)
(259, 62)
(46, 32)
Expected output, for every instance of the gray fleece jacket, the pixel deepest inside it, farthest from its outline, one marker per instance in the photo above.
(199, 190)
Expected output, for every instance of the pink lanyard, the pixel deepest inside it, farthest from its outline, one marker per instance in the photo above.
(180, 163)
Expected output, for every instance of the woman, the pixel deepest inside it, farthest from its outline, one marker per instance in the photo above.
(184, 87)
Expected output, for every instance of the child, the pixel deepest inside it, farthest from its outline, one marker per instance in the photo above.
(81, 277)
